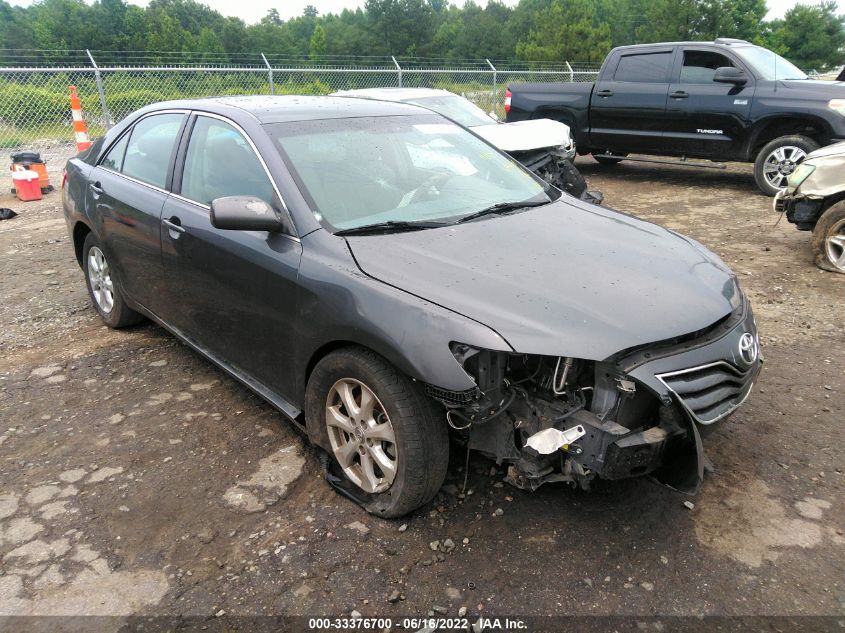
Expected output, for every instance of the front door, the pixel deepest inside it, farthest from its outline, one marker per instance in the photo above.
(231, 292)
(627, 110)
(126, 193)
(703, 117)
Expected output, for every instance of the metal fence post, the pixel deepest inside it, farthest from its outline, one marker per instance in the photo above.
(571, 73)
(493, 96)
(398, 70)
(99, 79)
(270, 73)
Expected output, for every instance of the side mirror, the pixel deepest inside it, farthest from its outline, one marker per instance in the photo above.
(245, 213)
(730, 75)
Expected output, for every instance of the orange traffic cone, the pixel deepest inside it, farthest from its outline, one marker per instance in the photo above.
(80, 130)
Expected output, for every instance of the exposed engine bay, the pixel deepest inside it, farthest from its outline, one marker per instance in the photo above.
(554, 165)
(555, 419)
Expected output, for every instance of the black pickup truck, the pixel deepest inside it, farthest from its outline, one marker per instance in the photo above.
(726, 100)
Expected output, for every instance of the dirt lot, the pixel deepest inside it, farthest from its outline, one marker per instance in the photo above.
(137, 479)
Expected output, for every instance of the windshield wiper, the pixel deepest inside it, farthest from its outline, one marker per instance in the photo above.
(501, 207)
(389, 225)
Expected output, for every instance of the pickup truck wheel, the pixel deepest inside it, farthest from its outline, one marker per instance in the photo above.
(829, 239)
(607, 160)
(778, 159)
(382, 430)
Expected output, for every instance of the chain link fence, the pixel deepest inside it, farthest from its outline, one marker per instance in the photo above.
(35, 107)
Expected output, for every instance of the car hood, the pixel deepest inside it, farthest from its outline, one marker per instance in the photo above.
(815, 89)
(827, 177)
(562, 280)
(524, 136)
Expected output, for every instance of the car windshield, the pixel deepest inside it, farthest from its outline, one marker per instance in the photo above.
(768, 64)
(456, 108)
(355, 172)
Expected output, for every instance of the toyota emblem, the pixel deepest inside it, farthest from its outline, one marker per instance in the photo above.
(748, 348)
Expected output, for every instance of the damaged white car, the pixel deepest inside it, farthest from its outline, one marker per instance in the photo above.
(544, 146)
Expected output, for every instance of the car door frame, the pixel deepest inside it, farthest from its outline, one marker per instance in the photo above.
(627, 133)
(103, 228)
(723, 139)
(277, 392)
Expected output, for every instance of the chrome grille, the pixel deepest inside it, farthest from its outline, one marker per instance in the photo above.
(710, 392)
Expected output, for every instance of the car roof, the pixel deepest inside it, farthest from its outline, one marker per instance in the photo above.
(285, 108)
(394, 94)
(722, 42)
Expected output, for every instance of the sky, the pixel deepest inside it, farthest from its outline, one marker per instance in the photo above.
(253, 10)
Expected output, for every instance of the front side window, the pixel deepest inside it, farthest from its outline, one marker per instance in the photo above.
(456, 108)
(769, 65)
(643, 68)
(423, 168)
(150, 148)
(700, 66)
(221, 163)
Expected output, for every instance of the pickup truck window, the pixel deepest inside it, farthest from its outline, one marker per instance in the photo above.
(648, 68)
(700, 66)
(769, 65)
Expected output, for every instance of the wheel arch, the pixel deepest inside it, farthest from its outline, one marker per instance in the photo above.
(80, 232)
(770, 128)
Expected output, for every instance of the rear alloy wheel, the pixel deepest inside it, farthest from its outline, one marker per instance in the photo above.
(829, 239)
(778, 159)
(102, 288)
(387, 437)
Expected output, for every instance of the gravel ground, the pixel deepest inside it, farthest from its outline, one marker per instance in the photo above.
(137, 479)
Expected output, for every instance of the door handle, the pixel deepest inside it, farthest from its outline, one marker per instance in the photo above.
(96, 188)
(679, 94)
(605, 93)
(174, 224)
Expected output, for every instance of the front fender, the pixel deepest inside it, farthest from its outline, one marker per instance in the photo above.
(341, 304)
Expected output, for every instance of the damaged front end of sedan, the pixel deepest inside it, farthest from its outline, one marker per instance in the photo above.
(640, 412)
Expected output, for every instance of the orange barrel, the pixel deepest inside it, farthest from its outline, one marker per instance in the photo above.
(26, 185)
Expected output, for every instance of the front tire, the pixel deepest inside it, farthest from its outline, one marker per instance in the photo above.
(380, 428)
(102, 287)
(829, 239)
(778, 159)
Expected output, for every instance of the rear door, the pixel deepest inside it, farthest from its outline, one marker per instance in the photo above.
(628, 105)
(231, 292)
(703, 117)
(126, 193)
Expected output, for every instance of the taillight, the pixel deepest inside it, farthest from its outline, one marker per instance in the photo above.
(508, 96)
(64, 178)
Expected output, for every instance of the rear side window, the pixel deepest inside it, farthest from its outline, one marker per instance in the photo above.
(644, 68)
(150, 148)
(700, 66)
(220, 163)
(114, 159)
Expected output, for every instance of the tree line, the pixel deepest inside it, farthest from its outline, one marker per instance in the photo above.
(810, 35)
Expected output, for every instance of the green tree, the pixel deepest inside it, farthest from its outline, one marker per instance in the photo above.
(811, 37)
(319, 43)
(566, 30)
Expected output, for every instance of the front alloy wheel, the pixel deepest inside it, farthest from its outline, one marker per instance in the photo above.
(778, 159)
(388, 440)
(829, 239)
(361, 435)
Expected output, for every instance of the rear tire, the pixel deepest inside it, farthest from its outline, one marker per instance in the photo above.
(778, 159)
(103, 286)
(608, 161)
(411, 434)
(829, 239)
